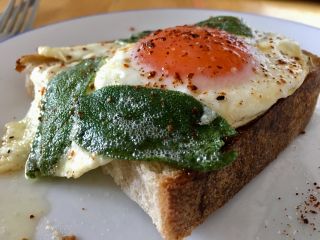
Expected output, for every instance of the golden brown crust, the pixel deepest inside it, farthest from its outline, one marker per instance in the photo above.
(34, 60)
(188, 198)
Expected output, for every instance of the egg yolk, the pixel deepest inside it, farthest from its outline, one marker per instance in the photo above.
(191, 51)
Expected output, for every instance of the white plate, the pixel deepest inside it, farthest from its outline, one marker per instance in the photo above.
(254, 213)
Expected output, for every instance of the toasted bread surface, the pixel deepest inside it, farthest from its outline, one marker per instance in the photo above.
(179, 200)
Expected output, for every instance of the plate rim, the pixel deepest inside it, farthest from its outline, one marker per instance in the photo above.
(157, 9)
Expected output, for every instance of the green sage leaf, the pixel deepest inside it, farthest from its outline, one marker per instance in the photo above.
(136, 123)
(135, 37)
(52, 136)
(227, 23)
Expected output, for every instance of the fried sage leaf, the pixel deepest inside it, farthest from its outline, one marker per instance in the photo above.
(135, 37)
(52, 136)
(136, 123)
(227, 23)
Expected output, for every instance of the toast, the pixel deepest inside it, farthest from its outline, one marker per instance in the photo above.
(179, 200)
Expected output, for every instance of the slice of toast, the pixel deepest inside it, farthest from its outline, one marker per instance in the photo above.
(179, 200)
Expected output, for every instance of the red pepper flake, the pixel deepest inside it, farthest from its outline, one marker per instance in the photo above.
(194, 35)
(280, 82)
(281, 61)
(192, 87)
(219, 67)
(312, 198)
(151, 74)
(170, 128)
(304, 220)
(177, 77)
(184, 54)
(220, 97)
(290, 71)
(42, 91)
(190, 76)
(68, 57)
(150, 44)
(283, 81)
(126, 65)
(72, 154)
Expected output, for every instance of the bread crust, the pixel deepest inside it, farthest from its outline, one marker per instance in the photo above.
(183, 199)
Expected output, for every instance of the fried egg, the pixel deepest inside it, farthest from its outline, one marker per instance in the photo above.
(236, 77)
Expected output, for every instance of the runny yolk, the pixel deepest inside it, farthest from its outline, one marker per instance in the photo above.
(190, 51)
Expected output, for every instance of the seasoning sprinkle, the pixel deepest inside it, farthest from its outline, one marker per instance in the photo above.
(151, 74)
(220, 98)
